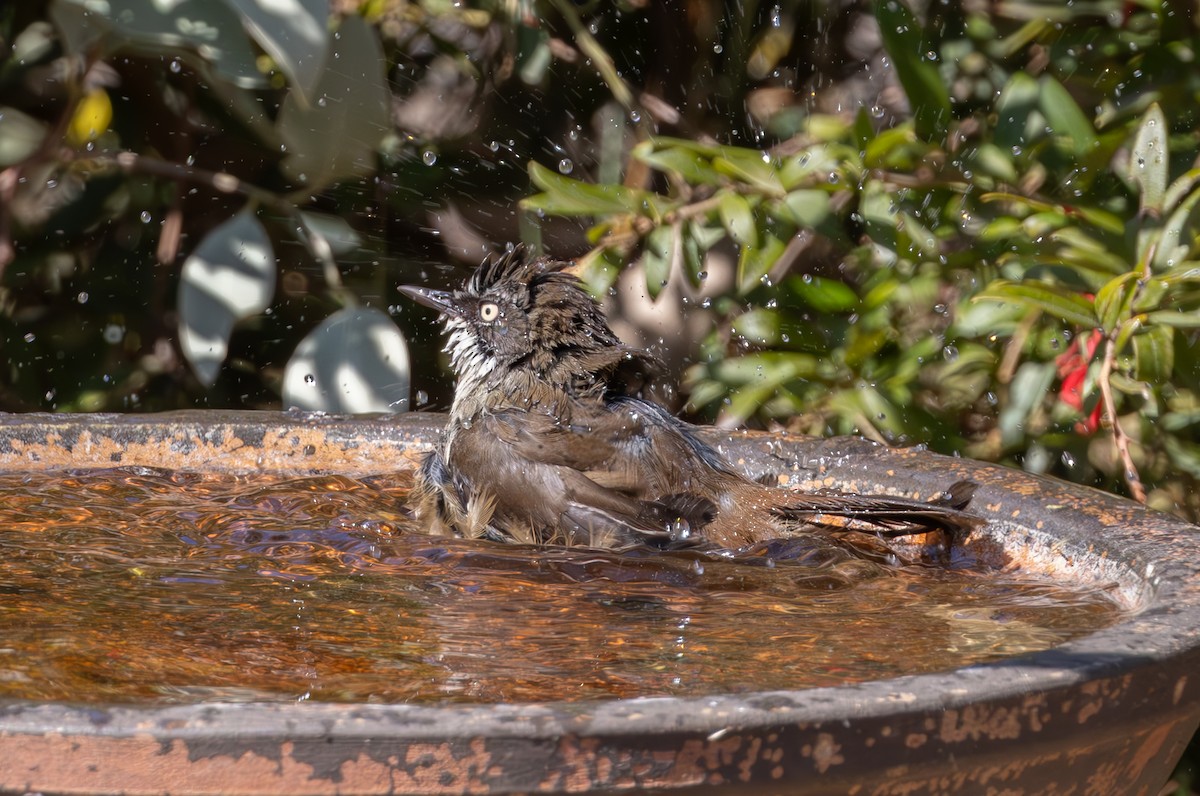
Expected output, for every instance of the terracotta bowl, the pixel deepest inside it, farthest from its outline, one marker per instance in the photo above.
(1108, 713)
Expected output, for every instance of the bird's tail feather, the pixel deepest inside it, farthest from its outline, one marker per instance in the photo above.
(885, 515)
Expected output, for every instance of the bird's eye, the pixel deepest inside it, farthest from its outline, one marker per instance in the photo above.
(489, 311)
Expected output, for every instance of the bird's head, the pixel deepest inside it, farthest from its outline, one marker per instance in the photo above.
(513, 310)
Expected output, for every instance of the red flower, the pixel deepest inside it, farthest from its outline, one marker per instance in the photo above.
(1072, 370)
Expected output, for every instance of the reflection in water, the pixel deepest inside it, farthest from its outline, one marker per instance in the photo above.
(135, 585)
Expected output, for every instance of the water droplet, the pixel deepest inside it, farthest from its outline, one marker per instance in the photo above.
(176, 66)
(114, 333)
(146, 217)
(429, 157)
(30, 337)
(950, 353)
(82, 298)
(565, 166)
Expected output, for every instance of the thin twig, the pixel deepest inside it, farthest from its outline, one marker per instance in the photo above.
(223, 182)
(1120, 439)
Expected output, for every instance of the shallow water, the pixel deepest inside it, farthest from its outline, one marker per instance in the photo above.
(143, 586)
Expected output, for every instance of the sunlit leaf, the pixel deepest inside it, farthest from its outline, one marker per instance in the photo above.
(191, 29)
(1105, 220)
(1177, 237)
(1154, 354)
(229, 277)
(760, 326)
(755, 262)
(1181, 187)
(890, 147)
(1147, 168)
(738, 218)
(989, 159)
(748, 166)
(808, 209)
(565, 196)
(1178, 319)
(824, 295)
(691, 166)
(813, 165)
(355, 361)
(337, 232)
(337, 135)
(1052, 299)
(293, 33)
(20, 136)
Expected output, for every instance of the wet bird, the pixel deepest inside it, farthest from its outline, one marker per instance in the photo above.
(551, 440)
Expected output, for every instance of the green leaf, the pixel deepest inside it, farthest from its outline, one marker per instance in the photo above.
(1070, 127)
(748, 166)
(1183, 455)
(824, 295)
(533, 53)
(337, 136)
(567, 197)
(905, 43)
(200, 30)
(755, 262)
(657, 256)
(1111, 304)
(20, 136)
(807, 209)
(1147, 168)
(989, 159)
(693, 256)
(1180, 188)
(1154, 354)
(337, 232)
(294, 33)
(1030, 384)
(1053, 299)
(229, 277)
(1178, 319)
(813, 165)
(760, 326)
(1176, 239)
(355, 361)
(738, 218)
(1105, 220)
(690, 165)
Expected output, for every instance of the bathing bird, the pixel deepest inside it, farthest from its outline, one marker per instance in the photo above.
(553, 437)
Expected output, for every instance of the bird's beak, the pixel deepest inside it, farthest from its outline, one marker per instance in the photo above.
(440, 300)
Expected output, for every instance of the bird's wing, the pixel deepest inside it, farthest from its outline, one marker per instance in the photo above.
(587, 486)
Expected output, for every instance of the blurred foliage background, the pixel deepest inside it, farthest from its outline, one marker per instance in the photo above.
(967, 225)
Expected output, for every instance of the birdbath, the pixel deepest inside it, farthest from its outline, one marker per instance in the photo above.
(1106, 712)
